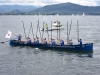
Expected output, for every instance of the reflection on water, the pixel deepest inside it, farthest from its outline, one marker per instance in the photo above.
(82, 55)
(30, 50)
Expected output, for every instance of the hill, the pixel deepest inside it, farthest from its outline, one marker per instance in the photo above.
(67, 8)
(22, 8)
(63, 9)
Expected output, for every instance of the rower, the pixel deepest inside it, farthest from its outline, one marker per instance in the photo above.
(53, 42)
(37, 40)
(34, 40)
(28, 40)
(80, 42)
(70, 42)
(62, 42)
(45, 41)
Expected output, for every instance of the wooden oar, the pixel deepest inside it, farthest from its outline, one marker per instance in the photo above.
(70, 27)
(47, 31)
(47, 28)
(42, 32)
(59, 29)
(77, 30)
(51, 29)
(32, 30)
(67, 33)
(57, 34)
(5, 41)
(24, 29)
(37, 28)
(29, 30)
(43, 29)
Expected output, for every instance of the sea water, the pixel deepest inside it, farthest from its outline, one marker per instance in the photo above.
(34, 61)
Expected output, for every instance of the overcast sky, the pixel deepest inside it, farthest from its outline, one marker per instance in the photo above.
(49, 2)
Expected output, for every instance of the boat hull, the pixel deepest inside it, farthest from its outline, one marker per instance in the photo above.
(58, 28)
(53, 28)
(23, 43)
(78, 48)
(84, 47)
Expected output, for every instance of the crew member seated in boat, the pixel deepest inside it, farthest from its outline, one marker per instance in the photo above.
(45, 41)
(80, 41)
(70, 42)
(53, 42)
(61, 42)
(37, 40)
(34, 40)
(19, 37)
(28, 40)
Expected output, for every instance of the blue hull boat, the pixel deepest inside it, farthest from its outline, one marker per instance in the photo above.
(23, 43)
(82, 48)
(76, 48)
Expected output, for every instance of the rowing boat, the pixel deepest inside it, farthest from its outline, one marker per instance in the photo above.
(83, 47)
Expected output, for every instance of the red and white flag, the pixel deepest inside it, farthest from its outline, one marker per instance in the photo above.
(8, 35)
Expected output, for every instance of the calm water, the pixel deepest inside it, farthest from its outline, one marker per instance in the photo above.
(33, 61)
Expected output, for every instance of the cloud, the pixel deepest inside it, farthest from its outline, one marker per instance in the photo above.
(49, 2)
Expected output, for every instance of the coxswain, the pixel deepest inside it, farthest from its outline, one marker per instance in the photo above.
(19, 37)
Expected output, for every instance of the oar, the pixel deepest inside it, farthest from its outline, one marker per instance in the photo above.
(51, 26)
(47, 32)
(47, 28)
(37, 28)
(43, 29)
(5, 41)
(51, 29)
(77, 30)
(57, 32)
(29, 30)
(32, 30)
(42, 32)
(70, 27)
(24, 29)
(67, 33)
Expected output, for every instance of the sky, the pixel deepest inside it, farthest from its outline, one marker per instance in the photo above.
(49, 2)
